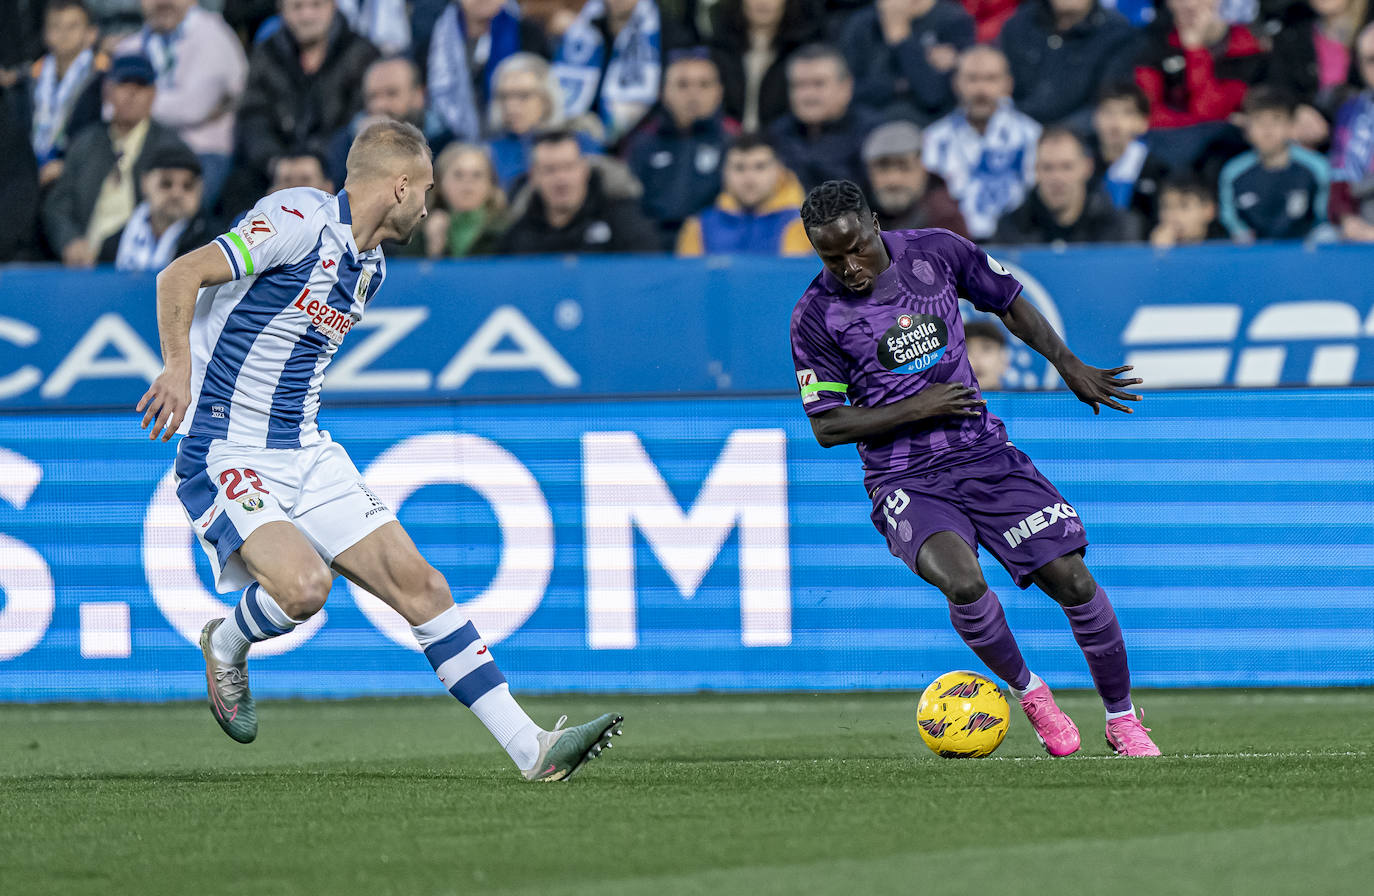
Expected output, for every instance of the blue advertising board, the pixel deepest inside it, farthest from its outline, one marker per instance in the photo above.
(1193, 317)
(651, 545)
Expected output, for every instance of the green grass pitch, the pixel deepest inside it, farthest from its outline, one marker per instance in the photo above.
(1263, 792)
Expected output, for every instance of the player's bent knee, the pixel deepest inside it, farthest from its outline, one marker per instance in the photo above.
(966, 591)
(303, 595)
(1068, 581)
(432, 596)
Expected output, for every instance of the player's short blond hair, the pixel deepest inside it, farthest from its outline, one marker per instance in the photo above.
(381, 145)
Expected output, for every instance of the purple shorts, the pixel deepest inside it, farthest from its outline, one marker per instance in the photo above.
(1000, 501)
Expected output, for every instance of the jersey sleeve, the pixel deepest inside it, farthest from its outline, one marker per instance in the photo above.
(270, 235)
(981, 278)
(821, 370)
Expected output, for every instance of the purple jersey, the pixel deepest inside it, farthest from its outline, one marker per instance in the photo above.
(904, 336)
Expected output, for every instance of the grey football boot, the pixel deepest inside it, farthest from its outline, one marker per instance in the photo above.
(227, 684)
(563, 751)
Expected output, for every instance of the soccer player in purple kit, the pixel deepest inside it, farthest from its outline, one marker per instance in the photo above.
(880, 326)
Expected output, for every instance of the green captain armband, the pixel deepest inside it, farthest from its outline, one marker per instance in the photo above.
(812, 388)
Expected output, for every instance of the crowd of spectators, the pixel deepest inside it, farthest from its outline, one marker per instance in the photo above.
(131, 130)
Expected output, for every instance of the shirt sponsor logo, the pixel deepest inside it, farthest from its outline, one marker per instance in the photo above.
(332, 322)
(1042, 519)
(914, 343)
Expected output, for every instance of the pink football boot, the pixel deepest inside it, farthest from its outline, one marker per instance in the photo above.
(1052, 726)
(1127, 737)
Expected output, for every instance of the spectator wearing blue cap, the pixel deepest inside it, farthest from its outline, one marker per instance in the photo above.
(201, 72)
(99, 187)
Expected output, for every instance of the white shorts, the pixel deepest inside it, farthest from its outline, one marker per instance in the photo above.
(229, 490)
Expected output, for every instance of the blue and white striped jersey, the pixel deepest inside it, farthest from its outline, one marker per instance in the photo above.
(988, 173)
(260, 343)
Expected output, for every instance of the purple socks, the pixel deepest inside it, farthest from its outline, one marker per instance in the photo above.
(1099, 635)
(984, 629)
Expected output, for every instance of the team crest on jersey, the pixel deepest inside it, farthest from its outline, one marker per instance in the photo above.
(914, 343)
(923, 271)
(256, 230)
(253, 503)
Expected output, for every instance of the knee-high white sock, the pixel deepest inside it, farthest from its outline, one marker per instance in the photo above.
(256, 618)
(464, 666)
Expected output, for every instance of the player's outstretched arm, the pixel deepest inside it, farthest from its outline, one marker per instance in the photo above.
(1093, 385)
(165, 403)
(845, 424)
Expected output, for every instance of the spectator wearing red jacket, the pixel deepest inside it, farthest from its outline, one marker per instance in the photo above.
(989, 16)
(1198, 71)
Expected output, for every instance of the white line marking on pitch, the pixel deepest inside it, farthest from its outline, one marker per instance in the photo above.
(1190, 756)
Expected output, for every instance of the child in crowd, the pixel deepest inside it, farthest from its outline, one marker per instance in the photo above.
(1278, 190)
(1187, 214)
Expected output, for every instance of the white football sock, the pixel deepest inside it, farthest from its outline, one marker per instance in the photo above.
(256, 618)
(1122, 714)
(464, 665)
(1035, 682)
(512, 727)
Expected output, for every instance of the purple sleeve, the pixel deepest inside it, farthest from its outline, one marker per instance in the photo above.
(821, 370)
(981, 278)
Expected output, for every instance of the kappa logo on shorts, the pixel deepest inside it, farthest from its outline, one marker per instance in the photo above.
(1040, 520)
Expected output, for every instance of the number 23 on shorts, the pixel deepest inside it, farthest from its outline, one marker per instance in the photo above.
(232, 480)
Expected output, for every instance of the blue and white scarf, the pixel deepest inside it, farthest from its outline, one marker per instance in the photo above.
(53, 101)
(384, 22)
(450, 70)
(1124, 172)
(142, 250)
(161, 50)
(631, 83)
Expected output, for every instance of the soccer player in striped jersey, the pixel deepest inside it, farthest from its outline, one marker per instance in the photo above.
(881, 362)
(248, 325)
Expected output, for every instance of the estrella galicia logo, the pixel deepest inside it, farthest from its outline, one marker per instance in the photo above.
(914, 343)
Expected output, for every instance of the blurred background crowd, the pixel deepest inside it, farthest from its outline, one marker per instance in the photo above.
(133, 130)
